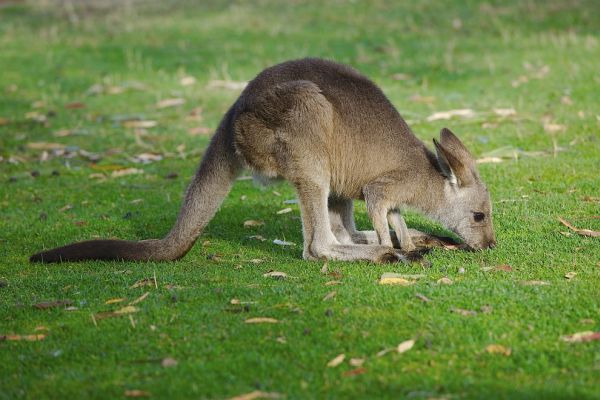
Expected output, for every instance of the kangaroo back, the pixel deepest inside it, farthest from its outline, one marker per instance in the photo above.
(204, 195)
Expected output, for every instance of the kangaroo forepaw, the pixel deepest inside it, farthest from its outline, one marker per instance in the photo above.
(417, 256)
(390, 257)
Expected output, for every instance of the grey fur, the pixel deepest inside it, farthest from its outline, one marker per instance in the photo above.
(335, 137)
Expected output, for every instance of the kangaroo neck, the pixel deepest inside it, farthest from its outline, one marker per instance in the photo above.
(428, 186)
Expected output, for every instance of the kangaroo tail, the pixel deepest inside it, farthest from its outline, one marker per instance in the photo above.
(204, 195)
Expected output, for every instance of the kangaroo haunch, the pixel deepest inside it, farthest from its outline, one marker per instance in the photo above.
(335, 137)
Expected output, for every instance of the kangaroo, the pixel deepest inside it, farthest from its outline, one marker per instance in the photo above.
(333, 134)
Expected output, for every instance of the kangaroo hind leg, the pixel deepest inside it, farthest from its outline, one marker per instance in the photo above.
(341, 217)
(319, 240)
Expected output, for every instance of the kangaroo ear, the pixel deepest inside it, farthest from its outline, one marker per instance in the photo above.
(443, 163)
(452, 143)
(455, 161)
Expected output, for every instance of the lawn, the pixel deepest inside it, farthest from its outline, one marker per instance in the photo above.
(105, 111)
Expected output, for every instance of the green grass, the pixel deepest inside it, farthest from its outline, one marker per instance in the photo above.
(463, 54)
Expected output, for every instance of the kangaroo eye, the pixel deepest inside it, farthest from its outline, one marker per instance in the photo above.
(478, 216)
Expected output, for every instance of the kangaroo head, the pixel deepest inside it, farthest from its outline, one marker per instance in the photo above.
(466, 207)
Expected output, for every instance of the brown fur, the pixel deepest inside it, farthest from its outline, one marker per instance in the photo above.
(334, 135)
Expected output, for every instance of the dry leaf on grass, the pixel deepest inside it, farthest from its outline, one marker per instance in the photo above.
(239, 302)
(423, 298)
(66, 207)
(283, 243)
(384, 352)
(554, 128)
(261, 320)
(115, 300)
(136, 393)
(325, 268)
(106, 167)
(510, 152)
(187, 81)
(445, 281)
(570, 275)
(139, 299)
(257, 394)
(535, 283)
(498, 349)
(331, 283)
(336, 361)
(505, 268)
(251, 223)
(36, 117)
(75, 105)
(170, 286)
(110, 314)
(166, 103)
(504, 112)
(395, 281)
(390, 278)
(354, 372)
(579, 337)
(583, 232)
(410, 276)
(405, 346)
(330, 295)
(284, 211)
(28, 338)
(489, 125)
(52, 304)
(489, 160)
(45, 146)
(486, 309)
(144, 282)
(126, 171)
(357, 362)
(337, 275)
(401, 348)
(462, 311)
(140, 124)
(276, 275)
(94, 89)
(146, 158)
(127, 310)
(168, 362)
(463, 113)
